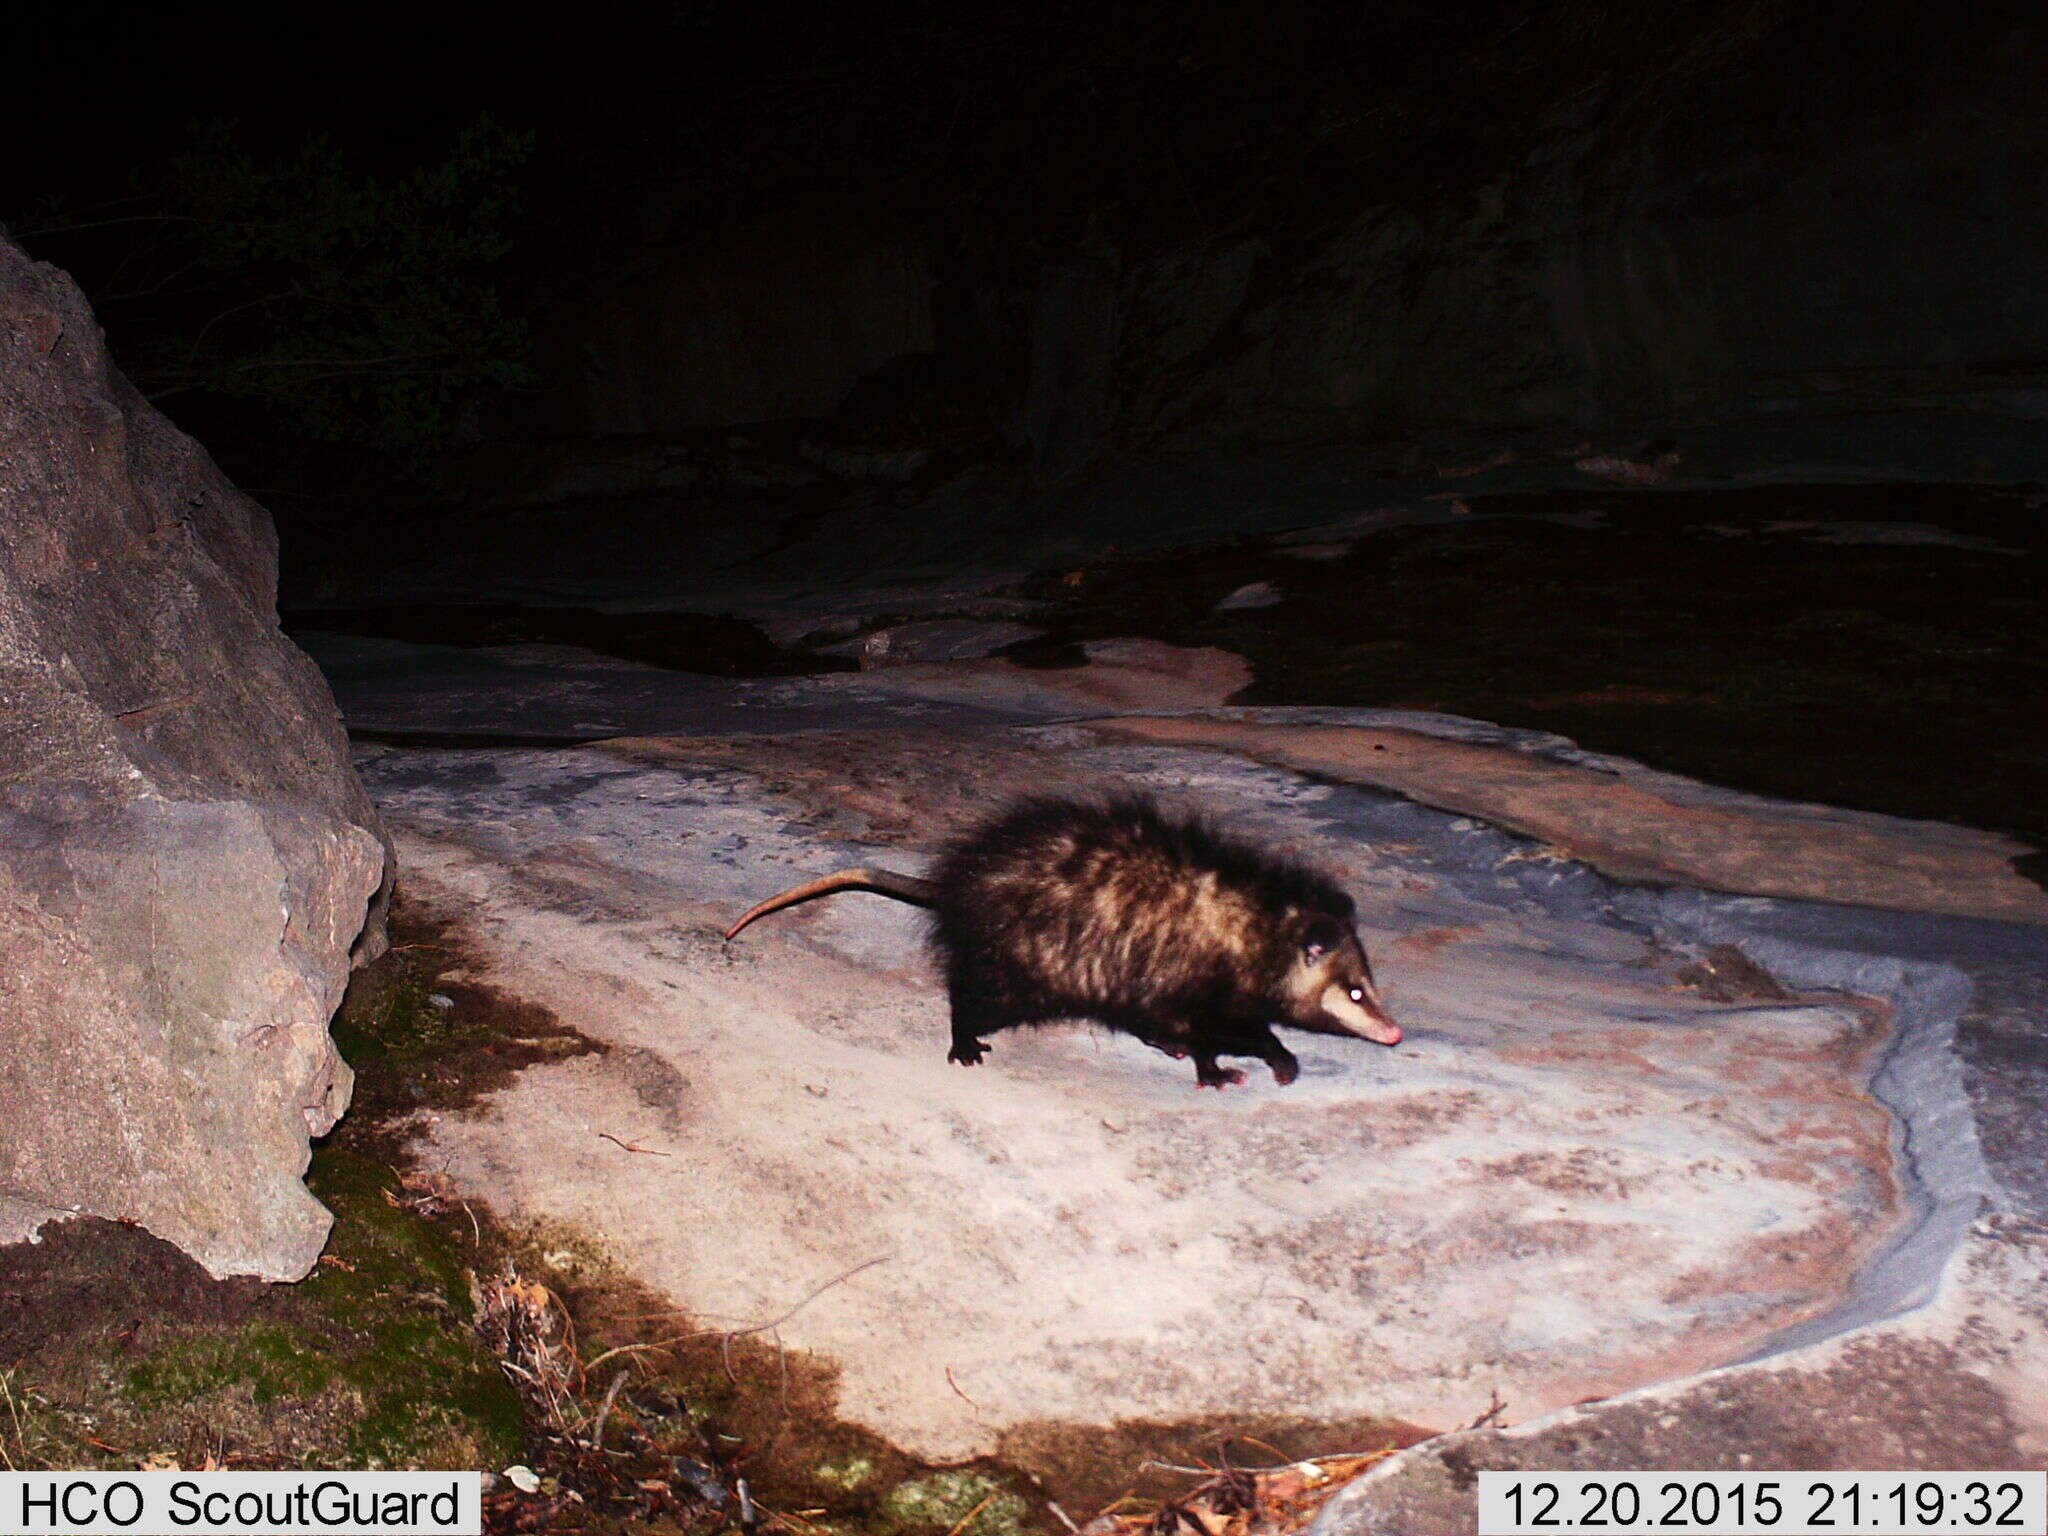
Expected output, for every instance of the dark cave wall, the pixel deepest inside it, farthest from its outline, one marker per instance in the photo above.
(1872, 269)
(1699, 213)
(1733, 234)
(767, 321)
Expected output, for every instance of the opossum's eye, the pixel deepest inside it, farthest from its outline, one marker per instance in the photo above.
(1358, 994)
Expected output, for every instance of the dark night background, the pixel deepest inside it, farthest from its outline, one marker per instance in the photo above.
(1668, 375)
(1094, 296)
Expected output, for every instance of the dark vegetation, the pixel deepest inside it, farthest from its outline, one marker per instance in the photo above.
(298, 299)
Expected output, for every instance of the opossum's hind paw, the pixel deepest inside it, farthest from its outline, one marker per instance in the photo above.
(1209, 1075)
(967, 1053)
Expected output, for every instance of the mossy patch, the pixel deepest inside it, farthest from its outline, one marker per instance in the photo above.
(397, 1017)
(270, 1360)
(370, 1362)
(421, 1032)
(848, 1472)
(397, 1287)
(944, 1500)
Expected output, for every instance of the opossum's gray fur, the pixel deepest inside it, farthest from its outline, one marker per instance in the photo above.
(1194, 941)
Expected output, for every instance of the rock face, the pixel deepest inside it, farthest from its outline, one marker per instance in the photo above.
(186, 858)
(1700, 235)
(1607, 222)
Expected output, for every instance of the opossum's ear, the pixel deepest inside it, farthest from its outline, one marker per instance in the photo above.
(1320, 935)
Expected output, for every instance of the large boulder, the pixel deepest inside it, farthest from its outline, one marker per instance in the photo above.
(186, 858)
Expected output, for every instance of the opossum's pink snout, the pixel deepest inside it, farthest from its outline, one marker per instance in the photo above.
(1381, 1030)
(1364, 1016)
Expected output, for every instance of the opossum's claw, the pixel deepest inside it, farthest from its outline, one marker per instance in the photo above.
(967, 1056)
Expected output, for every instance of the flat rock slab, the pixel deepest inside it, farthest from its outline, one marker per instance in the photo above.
(565, 693)
(1620, 817)
(1639, 824)
(1579, 1175)
(1954, 1386)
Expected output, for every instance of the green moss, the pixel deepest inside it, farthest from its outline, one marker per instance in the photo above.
(370, 1362)
(379, 1249)
(269, 1361)
(398, 1286)
(848, 1472)
(394, 1019)
(944, 1499)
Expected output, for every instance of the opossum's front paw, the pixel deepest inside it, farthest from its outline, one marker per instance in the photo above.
(1209, 1075)
(967, 1055)
(1285, 1070)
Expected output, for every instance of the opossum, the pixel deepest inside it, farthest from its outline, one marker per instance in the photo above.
(1157, 925)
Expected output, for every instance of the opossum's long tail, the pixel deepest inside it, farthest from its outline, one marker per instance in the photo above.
(884, 882)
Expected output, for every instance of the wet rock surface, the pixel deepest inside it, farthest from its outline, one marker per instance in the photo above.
(1636, 824)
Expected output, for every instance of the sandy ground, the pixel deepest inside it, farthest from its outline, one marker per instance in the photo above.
(1611, 1152)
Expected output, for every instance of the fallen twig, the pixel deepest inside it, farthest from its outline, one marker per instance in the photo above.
(968, 1518)
(729, 1334)
(611, 1396)
(1493, 1412)
(634, 1147)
